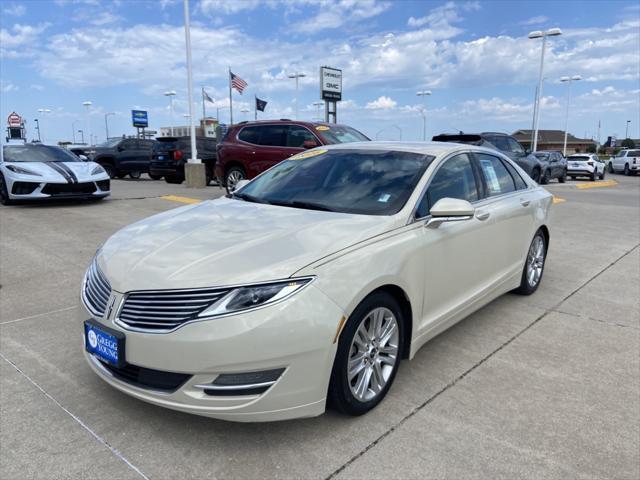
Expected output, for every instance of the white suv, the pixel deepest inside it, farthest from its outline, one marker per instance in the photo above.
(626, 161)
(585, 165)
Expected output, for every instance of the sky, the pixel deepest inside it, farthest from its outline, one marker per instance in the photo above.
(474, 56)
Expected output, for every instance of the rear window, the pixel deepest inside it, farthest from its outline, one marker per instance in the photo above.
(542, 156)
(579, 158)
(633, 153)
(164, 144)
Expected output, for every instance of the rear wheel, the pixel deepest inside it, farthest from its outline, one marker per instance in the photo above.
(155, 177)
(173, 179)
(563, 177)
(533, 265)
(594, 175)
(368, 356)
(208, 177)
(535, 175)
(135, 174)
(545, 178)
(4, 192)
(233, 176)
(602, 174)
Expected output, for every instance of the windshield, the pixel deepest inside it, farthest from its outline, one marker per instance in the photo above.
(369, 182)
(340, 134)
(110, 143)
(37, 153)
(542, 156)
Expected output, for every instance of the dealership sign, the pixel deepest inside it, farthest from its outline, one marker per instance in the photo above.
(140, 118)
(330, 84)
(14, 120)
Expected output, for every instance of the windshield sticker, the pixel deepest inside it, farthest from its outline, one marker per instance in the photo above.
(309, 154)
(322, 128)
(492, 178)
(384, 198)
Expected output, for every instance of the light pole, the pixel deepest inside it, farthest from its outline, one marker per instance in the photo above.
(73, 130)
(38, 128)
(81, 132)
(42, 111)
(536, 120)
(106, 123)
(399, 130)
(318, 104)
(170, 94)
(424, 94)
(297, 76)
(195, 171)
(569, 80)
(626, 132)
(88, 104)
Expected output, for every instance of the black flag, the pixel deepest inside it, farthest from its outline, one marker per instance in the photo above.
(261, 104)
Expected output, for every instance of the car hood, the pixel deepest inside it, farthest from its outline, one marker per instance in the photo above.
(228, 242)
(59, 172)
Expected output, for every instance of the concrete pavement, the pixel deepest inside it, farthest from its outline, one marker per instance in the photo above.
(546, 386)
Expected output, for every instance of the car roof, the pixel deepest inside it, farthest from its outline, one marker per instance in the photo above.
(427, 148)
(286, 121)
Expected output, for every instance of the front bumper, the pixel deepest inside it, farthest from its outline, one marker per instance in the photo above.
(296, 334)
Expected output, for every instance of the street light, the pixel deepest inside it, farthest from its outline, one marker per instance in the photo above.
(106, 123)
(626, 133)
(424, 94)
(38, 129)
(81, 132)
(297, 76)
(318, 104)
(170, 94)
(88, 104)
(536, 120)
(569, 80)
(42, 111)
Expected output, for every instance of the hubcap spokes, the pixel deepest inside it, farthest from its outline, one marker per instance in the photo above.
(535, 261)
(234, 178)
(373, 354)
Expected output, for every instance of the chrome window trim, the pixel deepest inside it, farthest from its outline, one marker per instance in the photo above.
(320, 142)
(480, 202)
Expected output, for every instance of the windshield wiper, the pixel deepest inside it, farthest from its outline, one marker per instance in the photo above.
(303, 204)
(247, 198)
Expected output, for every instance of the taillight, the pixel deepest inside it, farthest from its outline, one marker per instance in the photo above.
(177, 155)
(590, 163)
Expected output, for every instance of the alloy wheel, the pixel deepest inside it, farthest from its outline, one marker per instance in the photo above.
(233, 178)
(373, 354)
(535, 261)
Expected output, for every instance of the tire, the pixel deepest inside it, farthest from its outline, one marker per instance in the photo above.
(610, 167)
(545, 178)
(155, 177)
(109, 169)
(135, 174)
(375, 369)
(602, 174)
(594, 175)
(173, 179)
(627, 172)
(120, 175)
(563, 177)
(4, 193)
(527, 287)
(232, 177)
(535, 175)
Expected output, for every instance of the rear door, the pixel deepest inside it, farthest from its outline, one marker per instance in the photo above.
(509, 203)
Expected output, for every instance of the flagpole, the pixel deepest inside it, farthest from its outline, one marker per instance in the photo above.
(204, 110)
(230, 100)
(255, 106)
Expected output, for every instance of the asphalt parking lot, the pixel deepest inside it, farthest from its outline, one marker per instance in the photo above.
(546, 386)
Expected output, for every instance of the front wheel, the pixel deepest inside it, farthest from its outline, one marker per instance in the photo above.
(533, 265)
(4, 192)
(594, 175)
(110, 170)
(233, 176)
(602, 175)
(368, 355)
(563, 178)
(627, 172)
(545, 178)
(535, 175)
(135, 174)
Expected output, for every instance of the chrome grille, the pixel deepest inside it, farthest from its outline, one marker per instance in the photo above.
(96, 290)
(164, 310)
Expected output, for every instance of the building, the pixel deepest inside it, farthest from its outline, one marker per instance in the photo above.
(207, 128)
(554, 140)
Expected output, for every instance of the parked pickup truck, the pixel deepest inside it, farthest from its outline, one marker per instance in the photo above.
(626, 161)
(171, 153)
(123, 156)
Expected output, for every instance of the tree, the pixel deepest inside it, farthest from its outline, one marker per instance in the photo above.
(591, 149)
(602, 150)
(628, 143)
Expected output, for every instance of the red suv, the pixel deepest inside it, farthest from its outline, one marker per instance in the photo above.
(250, 148)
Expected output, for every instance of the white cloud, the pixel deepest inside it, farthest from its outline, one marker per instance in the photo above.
(221, 7)
(383, 103)
(6, 87)
(335, 14)
(20, 40)
(534, 20)
(14, 10)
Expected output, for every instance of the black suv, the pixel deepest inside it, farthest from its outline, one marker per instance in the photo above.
(501, 142)
(171, 153)
(122, 156)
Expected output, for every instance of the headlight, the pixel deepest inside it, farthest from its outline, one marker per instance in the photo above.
(97, 170)
(252, 296)
(24, 171)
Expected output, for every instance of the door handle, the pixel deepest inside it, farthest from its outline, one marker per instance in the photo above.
(483, 214)
(524, 203)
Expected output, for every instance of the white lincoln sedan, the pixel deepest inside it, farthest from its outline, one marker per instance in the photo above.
(308, 285)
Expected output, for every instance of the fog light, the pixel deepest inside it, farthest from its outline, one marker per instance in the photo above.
(248, 383)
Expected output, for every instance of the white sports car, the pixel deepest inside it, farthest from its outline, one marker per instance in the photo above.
(35, 172)
(308, 285)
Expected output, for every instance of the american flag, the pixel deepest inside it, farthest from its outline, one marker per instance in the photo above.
(237, 83)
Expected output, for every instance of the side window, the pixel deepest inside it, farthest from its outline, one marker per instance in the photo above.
(127, 145)
(499, 142)
(250, 135)
(454, 179)
(296, 136)
(520, 183)
(272, 135)
(514, 146)
(496, 175)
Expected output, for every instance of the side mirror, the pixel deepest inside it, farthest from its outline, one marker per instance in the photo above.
(450, 210)
(241, 183)
(309, 144)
